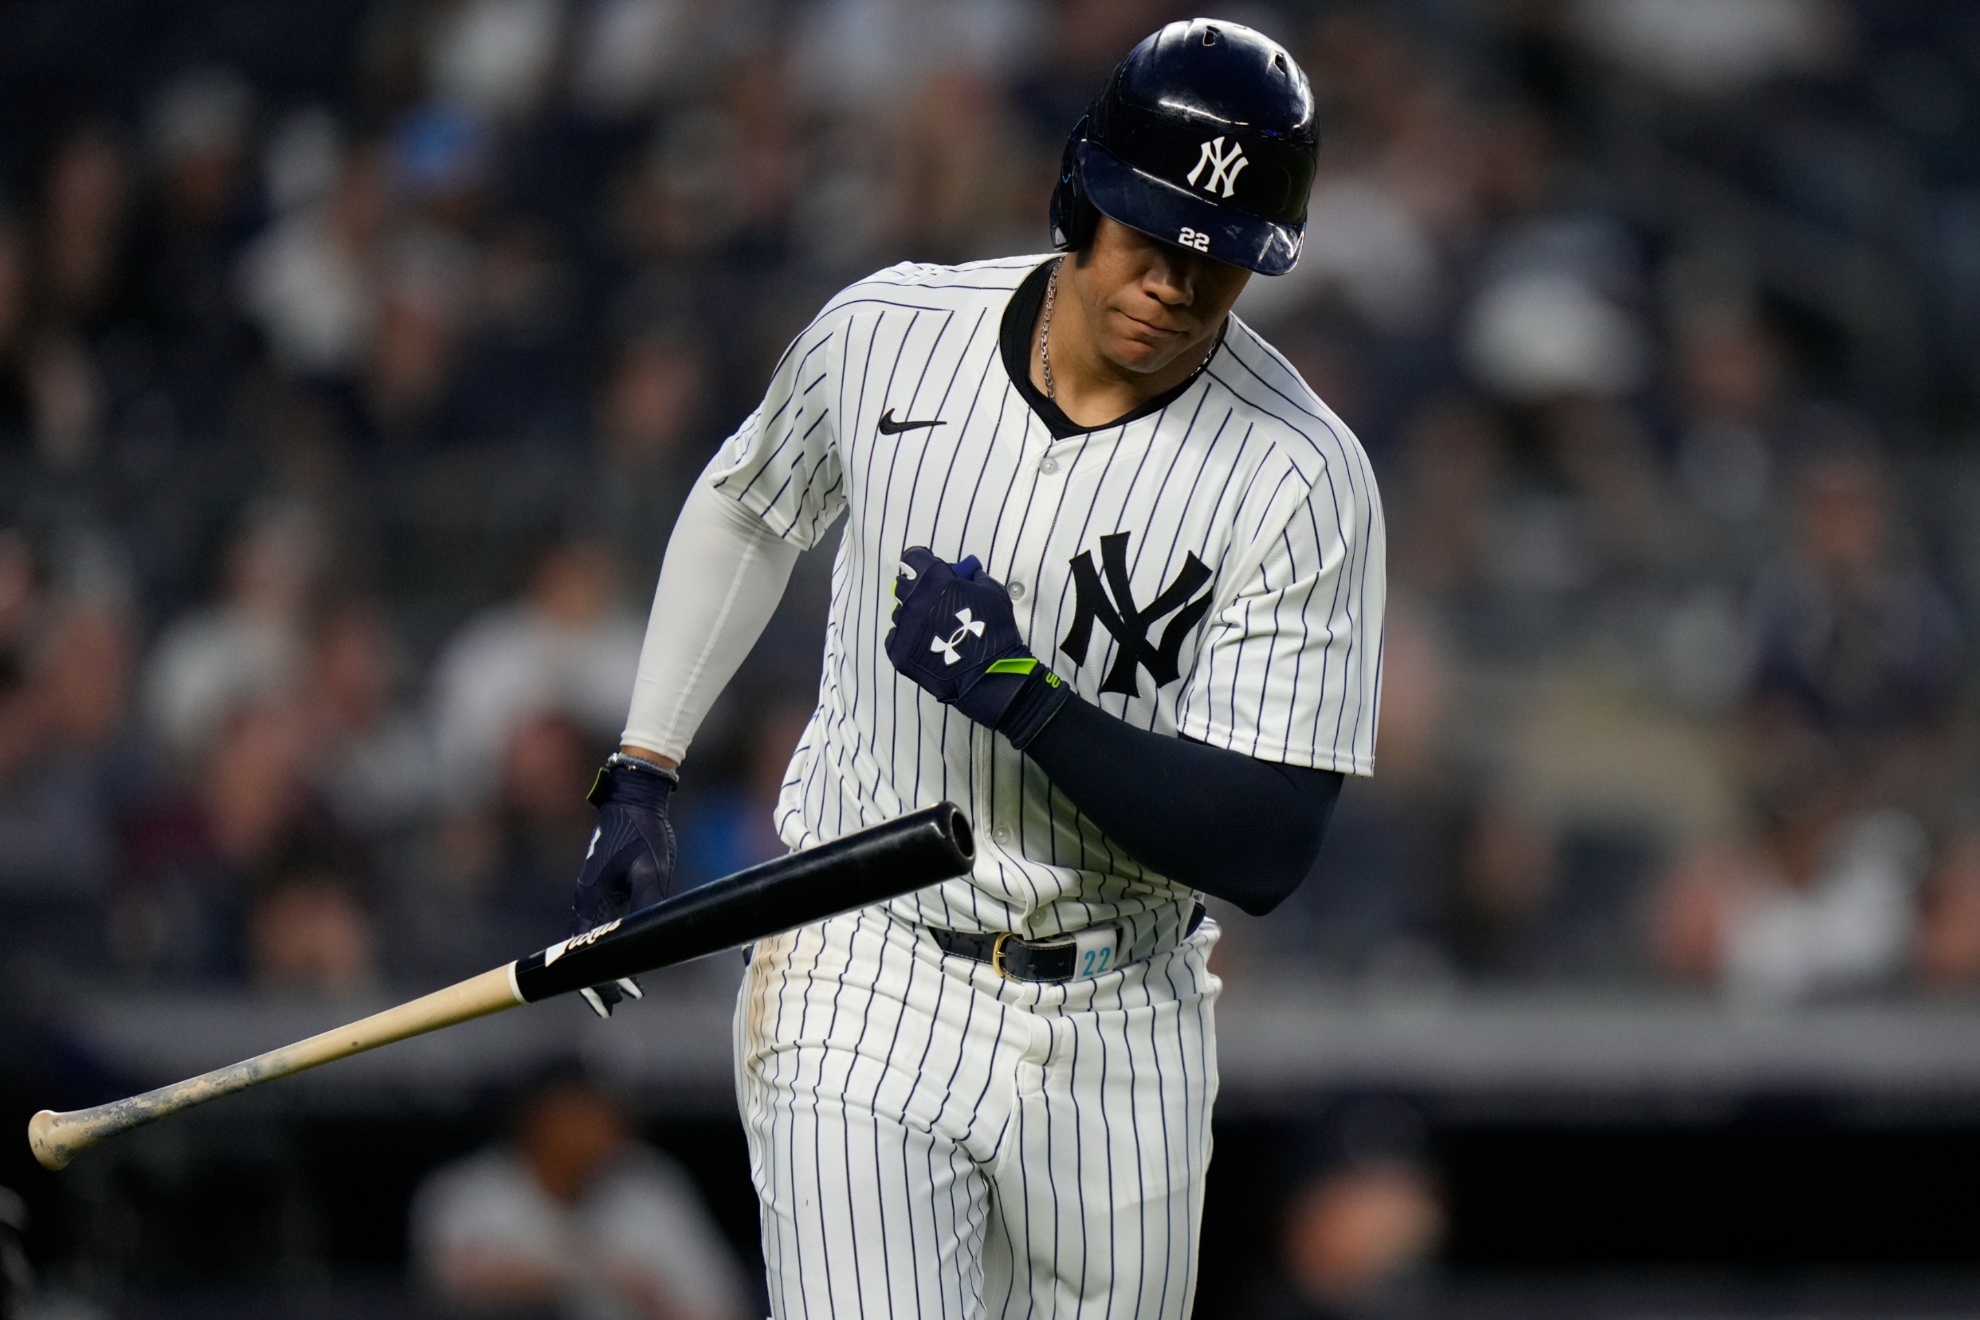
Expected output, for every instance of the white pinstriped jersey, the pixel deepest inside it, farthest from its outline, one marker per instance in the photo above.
(1213, 569)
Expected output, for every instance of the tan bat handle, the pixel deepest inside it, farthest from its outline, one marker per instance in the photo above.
(59, 1138)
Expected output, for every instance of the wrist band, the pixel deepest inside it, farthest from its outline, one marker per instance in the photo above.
(1038, 700)
(627, 761)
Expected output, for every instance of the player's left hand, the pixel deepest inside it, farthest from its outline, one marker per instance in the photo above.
(955, 634)
(630, 859)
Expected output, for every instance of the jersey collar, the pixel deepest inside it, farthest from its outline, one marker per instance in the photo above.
(1017, 343)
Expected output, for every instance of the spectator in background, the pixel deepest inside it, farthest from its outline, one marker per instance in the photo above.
(946, 176)
(85, 267)
(1731, 387)
(1945, 952)
(405, 398)
(87, 659)
(1453, 464)
(1841, 742)
(759, 99)
(85, 272)
(494, 57)
(1818, 897)
(671, 200)
(1717, 50)
(310, 281)
(1076, 43)
(572, 1212)
(1360, 1232)
(310, 933)
(260, 718)
(64, 682)
(543, 824)
(443, 161)
(25, 864)
(520, 379)
(650, 447)
(1854, 637)
(198, 132)
(250, 645)
(629, 55)
(193, 852)
(1630, 531)
(969, 190)
(65, 660)
(494, 873)
(253, 786)
(565, 646)
(67, 397)
(728, 828)
(1505, 886)
(372, 758)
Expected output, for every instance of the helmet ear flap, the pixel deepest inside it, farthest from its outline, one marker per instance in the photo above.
(1074, 218)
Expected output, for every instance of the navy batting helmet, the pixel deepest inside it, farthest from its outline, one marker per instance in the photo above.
(1204, 136)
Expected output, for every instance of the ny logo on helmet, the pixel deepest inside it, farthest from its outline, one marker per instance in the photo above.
(1224, 166)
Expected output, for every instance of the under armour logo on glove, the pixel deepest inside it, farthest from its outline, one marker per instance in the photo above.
(947, 646)
(998, 682)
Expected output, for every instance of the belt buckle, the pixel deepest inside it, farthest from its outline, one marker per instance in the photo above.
(997, 953)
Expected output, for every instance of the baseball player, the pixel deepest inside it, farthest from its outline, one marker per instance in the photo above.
(1111, 578)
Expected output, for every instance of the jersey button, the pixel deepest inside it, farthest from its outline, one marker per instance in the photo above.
(1017, 590)
(1001, 835)
(1049, 466)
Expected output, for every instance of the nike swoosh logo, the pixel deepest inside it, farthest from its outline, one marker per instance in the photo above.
(888, 426)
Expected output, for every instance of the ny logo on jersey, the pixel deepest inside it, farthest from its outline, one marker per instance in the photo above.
(971, 627)
(1129, 625)
(1224, 166)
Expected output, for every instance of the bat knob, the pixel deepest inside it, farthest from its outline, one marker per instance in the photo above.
(45, 1136)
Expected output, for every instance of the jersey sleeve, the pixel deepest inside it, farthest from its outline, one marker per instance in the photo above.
(782, 463)
(1290, 669)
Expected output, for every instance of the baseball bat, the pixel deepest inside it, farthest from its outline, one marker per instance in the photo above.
(875, 864)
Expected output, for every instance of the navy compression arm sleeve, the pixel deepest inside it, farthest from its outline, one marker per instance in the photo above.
(1218, 821)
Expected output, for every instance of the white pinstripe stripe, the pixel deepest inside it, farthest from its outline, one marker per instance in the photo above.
(931, 1140)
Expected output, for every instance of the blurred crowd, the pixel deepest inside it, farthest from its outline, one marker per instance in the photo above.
(573, 1216)
(344, 414)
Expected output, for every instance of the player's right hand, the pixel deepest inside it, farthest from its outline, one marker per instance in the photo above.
(955, 635)
(630, 861)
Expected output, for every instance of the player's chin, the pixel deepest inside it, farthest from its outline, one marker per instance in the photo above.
(1145, 353)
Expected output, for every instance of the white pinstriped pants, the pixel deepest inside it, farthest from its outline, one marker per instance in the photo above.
(930, 1140)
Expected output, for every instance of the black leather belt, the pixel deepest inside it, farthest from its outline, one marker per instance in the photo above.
(1066, 958)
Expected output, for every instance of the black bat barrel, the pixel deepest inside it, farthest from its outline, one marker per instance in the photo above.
(871, 866)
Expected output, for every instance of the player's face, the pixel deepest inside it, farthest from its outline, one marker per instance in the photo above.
(1151, 304)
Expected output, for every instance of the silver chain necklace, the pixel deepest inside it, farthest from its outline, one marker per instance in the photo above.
(1045, 336)
(1045, 330)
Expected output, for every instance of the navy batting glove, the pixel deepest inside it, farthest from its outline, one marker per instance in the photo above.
(631, 858)
(956, 635)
